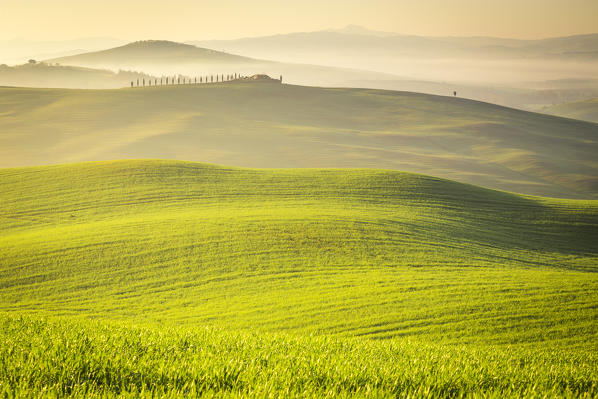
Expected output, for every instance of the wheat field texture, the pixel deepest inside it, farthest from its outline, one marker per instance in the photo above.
(174, 278)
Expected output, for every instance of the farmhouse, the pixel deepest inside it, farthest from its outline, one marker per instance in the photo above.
(265, 78)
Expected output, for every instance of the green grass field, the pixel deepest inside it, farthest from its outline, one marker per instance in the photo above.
(63, 358)
(309, 282)
(285, 126)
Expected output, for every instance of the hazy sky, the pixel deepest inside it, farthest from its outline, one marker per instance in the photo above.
(207, 19)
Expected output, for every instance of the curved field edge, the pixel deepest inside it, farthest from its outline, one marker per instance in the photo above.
(74, 358)
(370, 253)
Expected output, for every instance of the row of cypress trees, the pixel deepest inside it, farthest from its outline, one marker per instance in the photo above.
(183, 80)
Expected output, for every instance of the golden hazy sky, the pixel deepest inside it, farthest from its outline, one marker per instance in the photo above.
(207, 19)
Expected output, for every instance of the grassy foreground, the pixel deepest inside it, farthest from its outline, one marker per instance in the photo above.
(330, 280)
(73, 358)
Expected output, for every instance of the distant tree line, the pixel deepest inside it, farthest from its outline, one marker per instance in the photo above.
(178, 80)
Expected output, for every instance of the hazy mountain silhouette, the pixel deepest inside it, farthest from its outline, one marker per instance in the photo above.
(161, 57)
(360, 40)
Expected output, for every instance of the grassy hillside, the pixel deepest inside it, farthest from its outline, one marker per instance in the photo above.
(586, 110)
(272, 125)
(369, 253)
(46, 75)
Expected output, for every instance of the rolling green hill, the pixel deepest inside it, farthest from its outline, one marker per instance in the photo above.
(586, 110)
(166, 278)
(348, 252)
(272, 125)
(59, 76)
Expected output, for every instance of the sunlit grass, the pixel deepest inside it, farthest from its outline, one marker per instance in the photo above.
(74, 358)
(350, 252)
(310, 282)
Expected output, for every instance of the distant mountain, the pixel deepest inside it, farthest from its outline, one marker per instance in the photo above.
(585, 110)
(482, 60)
(58, 76)
(361, 41)
(160, 57)
(360, 30)
(151, 52)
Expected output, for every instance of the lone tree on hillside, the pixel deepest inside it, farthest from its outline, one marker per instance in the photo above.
(32, 61)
